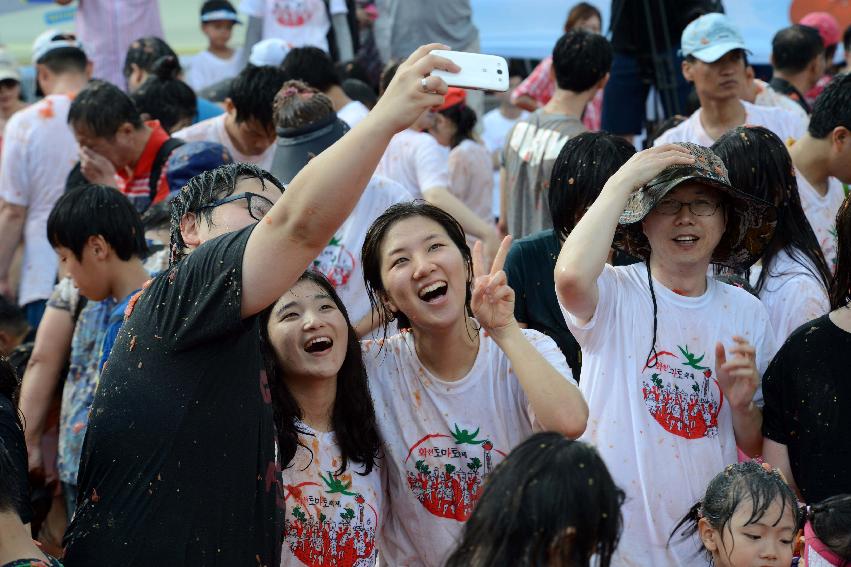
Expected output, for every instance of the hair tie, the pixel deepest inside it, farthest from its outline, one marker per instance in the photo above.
(290, 91)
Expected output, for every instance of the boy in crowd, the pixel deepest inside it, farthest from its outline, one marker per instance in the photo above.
(39, 151)
(117, 148)
(219, 60)
(716, 62)
(185, 371)
(822, 160)
(667, 406)
(797, 56)
(100, 241)
(247, 128)
(581, 63)
(314, 67)
(496, 124)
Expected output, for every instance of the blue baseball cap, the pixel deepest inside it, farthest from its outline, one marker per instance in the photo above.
(710, 37)
(194, 158)
(218, 10)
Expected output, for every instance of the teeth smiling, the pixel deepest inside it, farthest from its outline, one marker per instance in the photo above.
(318, 343)
(430, 288)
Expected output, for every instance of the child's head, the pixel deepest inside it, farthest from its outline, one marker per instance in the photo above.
(91, 227)
(251, 124)
(749, 516)
(13, 326)
(164, 97)
(830, 521)
(217, 20)
(831, 121)
(581, 60)
(551, 502)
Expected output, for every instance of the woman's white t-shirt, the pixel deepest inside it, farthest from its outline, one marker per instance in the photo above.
(299, 22)
(821, 212)
(330, 519)
(340, 261)
(442, 438)
(205, 69)
(792, 293)
(662, 425)
(415, 160)
(353, 113)
(470, 177)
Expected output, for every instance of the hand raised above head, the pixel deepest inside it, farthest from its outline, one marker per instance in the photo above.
(493, 298)
(642, 167)
(412, 90)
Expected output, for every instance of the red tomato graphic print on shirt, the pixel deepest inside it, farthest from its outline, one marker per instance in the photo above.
(296, 13)
(445, 472)
(681, 394)
(328, 524)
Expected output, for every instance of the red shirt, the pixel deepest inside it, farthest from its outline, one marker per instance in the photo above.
(136, 184)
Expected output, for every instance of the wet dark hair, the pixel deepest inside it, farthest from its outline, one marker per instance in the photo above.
(582, 167)
(96, 210)
(297, 104)
(311, 65)
(10, 386)
(102, 108)
(360, 91)
(371, 255)
(840, 290)
(831, 522)
(580, 60)
(65, 60)
(759, 164)
(253, 91)
(352, 419)
(832, 107)
(12, 318)
(205, 188)
(144, 52)
(10, 494)
(464, 119)
(794, 47)
(736, 485)
(579, 12)
(552, 501)
(164, 97)
(387, 75)
(157, 216)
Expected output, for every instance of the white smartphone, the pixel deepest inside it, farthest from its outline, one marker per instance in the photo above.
(483, 72)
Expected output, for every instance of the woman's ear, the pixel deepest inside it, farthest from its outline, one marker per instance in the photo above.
(189, 230)
(708, 535)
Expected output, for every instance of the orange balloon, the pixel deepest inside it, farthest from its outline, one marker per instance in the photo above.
(839, 9)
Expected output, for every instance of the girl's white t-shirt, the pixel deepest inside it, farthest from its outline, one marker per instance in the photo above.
(792, 293)
(441, 439)
(299, 22)
(415, 160)
(821, 212)
(340, 261)
(330, 519)
(205, 69)
(662, 425)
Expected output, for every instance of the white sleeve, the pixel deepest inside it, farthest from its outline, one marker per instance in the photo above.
(666, 138)
(15, 173)
(552, 354)
(432, 163)
(592, 336)
(804, 299)
(338, 7)
(253, 8)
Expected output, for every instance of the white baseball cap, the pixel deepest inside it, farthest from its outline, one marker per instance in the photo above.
(53, 39)
(269, 52)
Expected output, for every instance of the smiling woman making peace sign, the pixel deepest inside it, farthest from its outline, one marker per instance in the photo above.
(452, 394)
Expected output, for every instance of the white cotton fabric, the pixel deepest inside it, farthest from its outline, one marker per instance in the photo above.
(663, 429)
(821, 212)
(442, 438)
(415, 160)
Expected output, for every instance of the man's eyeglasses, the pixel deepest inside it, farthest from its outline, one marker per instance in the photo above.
(699, 208)
(258, 205)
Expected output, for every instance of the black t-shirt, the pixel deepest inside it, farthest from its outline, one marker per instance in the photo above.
(807, 389)
(530, 267)
(629, 26)
(13, 439)
(178, 465)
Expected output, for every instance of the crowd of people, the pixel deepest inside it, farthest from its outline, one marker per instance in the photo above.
(299, 302)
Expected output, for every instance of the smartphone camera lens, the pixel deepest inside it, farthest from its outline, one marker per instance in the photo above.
(499, 71)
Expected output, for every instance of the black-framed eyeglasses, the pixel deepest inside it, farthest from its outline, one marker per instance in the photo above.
(698, 207)
(258, 205)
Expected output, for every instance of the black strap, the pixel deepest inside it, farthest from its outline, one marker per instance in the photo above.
(156, 168)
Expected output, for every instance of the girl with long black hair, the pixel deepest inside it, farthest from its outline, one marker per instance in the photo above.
(792, 279)
(327, 435)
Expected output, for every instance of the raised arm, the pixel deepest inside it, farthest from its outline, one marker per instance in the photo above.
(323, 194)
(557, 403)
(584, 253)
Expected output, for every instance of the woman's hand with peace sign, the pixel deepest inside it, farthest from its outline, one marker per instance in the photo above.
(493, 299)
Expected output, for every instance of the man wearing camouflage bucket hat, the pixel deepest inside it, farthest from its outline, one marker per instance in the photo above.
(671, 359)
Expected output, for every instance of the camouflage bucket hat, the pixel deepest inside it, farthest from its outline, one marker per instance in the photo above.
(750, 221)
